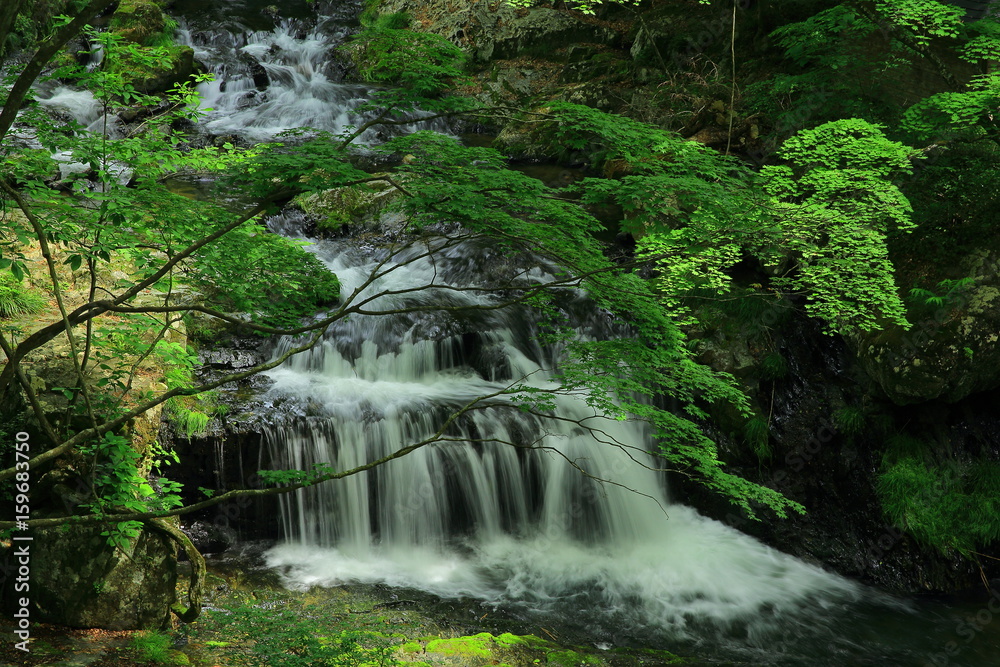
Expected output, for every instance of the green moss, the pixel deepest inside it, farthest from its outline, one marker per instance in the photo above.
(139, 21)
(507, 639)
(571, 659)
(411, 647)
(476, 645)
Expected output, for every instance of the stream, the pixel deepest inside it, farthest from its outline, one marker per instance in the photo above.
(518, 527)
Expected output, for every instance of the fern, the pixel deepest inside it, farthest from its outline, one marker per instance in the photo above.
(850, 421)
(16, 300)
(952, 507)
(757, 434)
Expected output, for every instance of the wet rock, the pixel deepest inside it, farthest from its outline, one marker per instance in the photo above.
(210, 538)
(334, 208)
(949, 353)
(490, 31)
(256, 70)
(79, 580)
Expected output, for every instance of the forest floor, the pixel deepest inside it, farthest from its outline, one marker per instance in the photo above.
(248, 619)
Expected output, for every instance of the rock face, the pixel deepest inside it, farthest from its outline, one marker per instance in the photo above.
(78, 580)
(497, 30)
(828, 463)
(950, 353)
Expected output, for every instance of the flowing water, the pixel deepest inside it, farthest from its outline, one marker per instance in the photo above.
(284, 77)
(504, 510)
(510, 507)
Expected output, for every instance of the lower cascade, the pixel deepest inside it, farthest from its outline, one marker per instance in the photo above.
(533, 512)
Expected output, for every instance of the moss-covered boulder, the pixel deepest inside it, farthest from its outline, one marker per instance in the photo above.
(334, 208)
(170, 65)
(159, 63)
(138, 21)
(953, 348)
(78, 580)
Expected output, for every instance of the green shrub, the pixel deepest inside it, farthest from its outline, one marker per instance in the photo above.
(757, 434)
(15, 300)
(773, 366)
(950, 506)
(850, 421)
(396, 21)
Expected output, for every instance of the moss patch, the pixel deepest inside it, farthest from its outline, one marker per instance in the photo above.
(571, 659)
(332, 209)
(139, 21)
(477, 645)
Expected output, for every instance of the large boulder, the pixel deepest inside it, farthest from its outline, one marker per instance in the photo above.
(77, 579)
(334, 208)
(951, 352)
(497, 30)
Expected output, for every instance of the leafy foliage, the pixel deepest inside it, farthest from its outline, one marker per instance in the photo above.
(924, 19)
(829, 208)
(950, 506)
(421, 66)
(287, 283)
(836, 202)
(966, 114)
(16, 300)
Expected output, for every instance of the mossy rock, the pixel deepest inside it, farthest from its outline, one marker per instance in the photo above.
(480, 645)
(332, 209)
(138, 21)
(173, 65)
(78, 580)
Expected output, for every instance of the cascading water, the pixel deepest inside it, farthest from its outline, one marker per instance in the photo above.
(507, 507)
(271, 81)
(502, 509)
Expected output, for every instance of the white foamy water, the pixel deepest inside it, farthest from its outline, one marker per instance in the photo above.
(501, 512)
(83, 107)
(269, 82)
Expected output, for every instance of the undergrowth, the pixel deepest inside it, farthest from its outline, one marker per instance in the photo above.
(17, 300)
(950, 506)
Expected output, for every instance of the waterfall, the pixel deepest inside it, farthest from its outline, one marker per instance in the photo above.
(271, 81)
(535, 515)
(511, 507)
